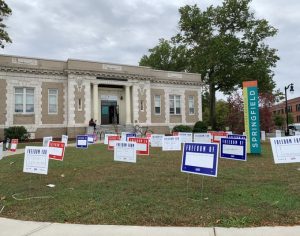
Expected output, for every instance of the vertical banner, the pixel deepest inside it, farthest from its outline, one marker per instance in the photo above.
(251, 116)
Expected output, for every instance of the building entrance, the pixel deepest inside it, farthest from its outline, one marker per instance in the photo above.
(109, 112)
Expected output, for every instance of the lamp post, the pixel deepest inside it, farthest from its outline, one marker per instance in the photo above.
(291, 86)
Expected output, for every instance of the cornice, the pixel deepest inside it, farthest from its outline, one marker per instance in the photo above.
(31, 70)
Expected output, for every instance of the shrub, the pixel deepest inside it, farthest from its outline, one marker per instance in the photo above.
(16, 132)
(200, 127)
(182, 128)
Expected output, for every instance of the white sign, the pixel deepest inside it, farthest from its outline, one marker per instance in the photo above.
(156, 140)
(202, 138)
(263, 135)
(185, 137)
(106, 137)
(286, 149)
(1, 151)
(36, 160)
(46, 141)
(278, 133)
(64, 139)
(297, 133)
(125, 151)
(111, 67)
(123, 135)
(171, 143)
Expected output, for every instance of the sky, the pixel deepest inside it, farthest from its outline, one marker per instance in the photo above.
(122, 31)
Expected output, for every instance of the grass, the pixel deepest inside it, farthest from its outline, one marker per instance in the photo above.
(93, 189)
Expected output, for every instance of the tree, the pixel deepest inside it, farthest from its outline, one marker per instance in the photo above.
(278, 121)
(226, 45)
(5, 11)
(235, 118)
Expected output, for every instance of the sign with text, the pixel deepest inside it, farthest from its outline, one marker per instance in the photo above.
(175, 133)
(185, 137)
(148, 136)
(56, 150)
(130, 135)
(82, 141)
(156, 140)
(125, 151)
(171, 143)
(36, 160)
(91, 138)
(251, 116)
(13, 145)
(233, 148)
(46, 141)
(200, 158)
(202, 138)
(112, 141)
(286, 149)
(142, 145)
(1, 150)
(123, 135)
(236, 136)
(106, 137)
(64, 139)
(217, 135)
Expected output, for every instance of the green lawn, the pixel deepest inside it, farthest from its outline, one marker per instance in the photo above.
(97, 190)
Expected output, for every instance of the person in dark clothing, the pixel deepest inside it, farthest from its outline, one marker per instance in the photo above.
(92, 123)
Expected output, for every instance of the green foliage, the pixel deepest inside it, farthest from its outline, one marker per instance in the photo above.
(290, 118)
(200, 127)
(5, 11)
(278, 120)
(16, 132)
(182, 128)
(226, 44)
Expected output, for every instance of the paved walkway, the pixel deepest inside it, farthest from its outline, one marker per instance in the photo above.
(28, 228)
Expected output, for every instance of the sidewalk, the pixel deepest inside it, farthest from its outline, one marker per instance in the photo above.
(29, 228)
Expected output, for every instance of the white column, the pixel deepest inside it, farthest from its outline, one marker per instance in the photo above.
(128, 105)
(95, 102)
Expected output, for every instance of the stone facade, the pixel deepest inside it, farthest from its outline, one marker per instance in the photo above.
(110, 93)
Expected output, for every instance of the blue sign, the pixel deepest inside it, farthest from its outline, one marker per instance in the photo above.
(130, 135)
(82, 141)
(233, 148)
(200, 158)
(236, 136)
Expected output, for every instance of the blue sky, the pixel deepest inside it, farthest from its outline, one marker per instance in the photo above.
(123, 31)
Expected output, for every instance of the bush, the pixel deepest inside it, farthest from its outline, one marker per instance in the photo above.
(200, 127)
(182, 128)
(16, 132)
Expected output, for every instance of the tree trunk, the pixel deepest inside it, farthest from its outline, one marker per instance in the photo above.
(212, 105)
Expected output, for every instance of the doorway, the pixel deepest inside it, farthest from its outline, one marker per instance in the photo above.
(109, 112)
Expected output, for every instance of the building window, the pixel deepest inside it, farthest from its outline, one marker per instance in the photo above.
(191, 105)
(24, 100)
(297, 107)
(52, 101)
(157, 104)
(79, 104)
(175, 105)
(142, 105)
(290, 109)
(298, 118)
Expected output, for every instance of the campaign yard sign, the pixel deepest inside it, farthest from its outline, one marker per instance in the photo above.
(156, 140)
(297, 133)
(36, 160)
(233, 148)
(263, 135)
(64, 139)
(106, 137)
(185, 137)
(125, 151)
(236, 136)
(171, 143)
(82, 141)
(90, 138)
(286, 149)
(148, 136)
(56, 150)
(13, 145)
(123, 136)
(1, 150)
(200, 158)
(202, 138)
(217, 135)
(142, 145)
(278, 133)
(112, 141)
(46, 141)
(175, 133)
(130, 135)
